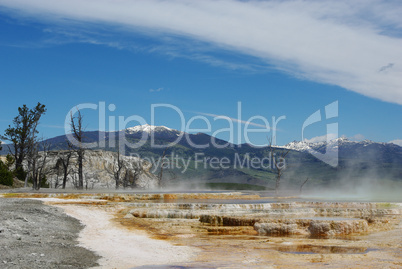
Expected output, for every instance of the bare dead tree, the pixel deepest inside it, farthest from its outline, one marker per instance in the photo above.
(56, 182)
(31, 151)
(173, 175)
(136, 172)
(77, 131)
(36, 161)
(278, 169)
(42, 170)
(74, 179)
(126, 180)
(30, 156)
(301, 187)
(160, 175)
(64, 161)
(86, 179)
(118, 168)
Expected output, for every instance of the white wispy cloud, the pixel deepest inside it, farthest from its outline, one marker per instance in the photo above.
(357, 137)
(156, 90)
(396, 142)
(356, 45)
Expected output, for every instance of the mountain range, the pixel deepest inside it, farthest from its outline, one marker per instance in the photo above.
(190, 159)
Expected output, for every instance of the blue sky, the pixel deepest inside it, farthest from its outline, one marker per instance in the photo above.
(277, 58)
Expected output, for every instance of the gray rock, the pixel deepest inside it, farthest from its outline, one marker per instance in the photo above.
(99, 169)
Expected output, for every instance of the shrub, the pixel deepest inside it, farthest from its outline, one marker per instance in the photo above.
(9, 161)
(43, 184)
(6, 177)
(20, 173)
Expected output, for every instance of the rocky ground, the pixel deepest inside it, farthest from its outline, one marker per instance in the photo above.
(34, 235)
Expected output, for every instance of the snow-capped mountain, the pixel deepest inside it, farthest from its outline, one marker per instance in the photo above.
(345, 149)
(166, 134)
(146, 128)
(307, 146)
(354, 158)
(343, 142)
